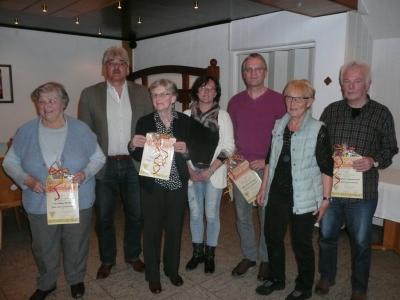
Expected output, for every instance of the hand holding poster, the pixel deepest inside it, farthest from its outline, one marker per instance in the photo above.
(347, 182)
(246, 180)
(62, 198)
(157, 156)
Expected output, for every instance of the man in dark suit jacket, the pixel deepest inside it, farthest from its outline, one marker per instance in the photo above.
(111, 109)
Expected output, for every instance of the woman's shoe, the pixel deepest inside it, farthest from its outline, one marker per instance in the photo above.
(197, 258)
(299, 295)
(155, 287)
(209, 264)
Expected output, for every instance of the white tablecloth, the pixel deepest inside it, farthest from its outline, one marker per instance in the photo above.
(389, 195)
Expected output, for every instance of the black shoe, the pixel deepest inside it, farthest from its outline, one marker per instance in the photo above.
(299, 295)
(209, 263)
(197, 258)
(155, 287)
(177, 280)
(40, 294)
(244, 265)
(77, 290)
(269, 286)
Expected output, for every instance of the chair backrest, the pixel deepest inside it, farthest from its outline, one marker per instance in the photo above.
(10, 195)
(184, 74)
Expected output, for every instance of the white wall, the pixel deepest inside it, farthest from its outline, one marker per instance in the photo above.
(38, 57)
(359, 41)
(193, 48)
(196, 47)
(385, 86)
(285, 28)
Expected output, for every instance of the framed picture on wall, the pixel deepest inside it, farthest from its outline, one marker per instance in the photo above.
(6, 86)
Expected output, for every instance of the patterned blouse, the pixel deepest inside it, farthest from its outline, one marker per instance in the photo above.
(174, 182)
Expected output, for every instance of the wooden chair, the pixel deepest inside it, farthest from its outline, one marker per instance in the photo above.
(10, 197)
(184, 73)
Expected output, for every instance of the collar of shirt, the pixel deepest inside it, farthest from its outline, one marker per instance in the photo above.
(113, 92)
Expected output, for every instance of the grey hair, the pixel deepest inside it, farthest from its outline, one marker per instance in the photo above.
(169, 85)
(49, 87)
(356, 64)
(115, 52)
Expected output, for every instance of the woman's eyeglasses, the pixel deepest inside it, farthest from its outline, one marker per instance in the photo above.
(160, 95)
(296, 99)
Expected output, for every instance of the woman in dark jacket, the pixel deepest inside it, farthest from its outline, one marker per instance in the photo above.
(163, 201)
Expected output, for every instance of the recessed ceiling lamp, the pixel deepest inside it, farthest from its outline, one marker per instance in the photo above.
(16, 21)
(77, 20)
(44, 8)
(196, 4)
(99, 32)
(119, 5)
(139, 20)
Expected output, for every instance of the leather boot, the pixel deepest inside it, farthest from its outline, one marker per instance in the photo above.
(209, 264)
(198, 256)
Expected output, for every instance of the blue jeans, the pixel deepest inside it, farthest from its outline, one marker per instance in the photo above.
(357, 215)
(244, 223)
(120, 181)
(204, 198)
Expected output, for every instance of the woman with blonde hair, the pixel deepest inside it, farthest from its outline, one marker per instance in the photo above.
(296, 188)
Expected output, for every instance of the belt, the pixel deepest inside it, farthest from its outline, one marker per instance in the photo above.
(119, 157)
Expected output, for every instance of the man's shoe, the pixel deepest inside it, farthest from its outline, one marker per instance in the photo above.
(137, 265)
(358, 296)
(269, 286)
(299, 295)
(104, 271)
(177, 280)
(263, 271)
(322, 287)
(78, 290)
(40, 294)
(155, 287)
(244, 265)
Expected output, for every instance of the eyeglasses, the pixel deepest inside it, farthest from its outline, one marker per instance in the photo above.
(206, 89)
(160, 95)
(296, 99)
(256, 70)
(115, 64)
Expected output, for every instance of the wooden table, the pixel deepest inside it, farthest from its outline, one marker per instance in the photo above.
(388, 208)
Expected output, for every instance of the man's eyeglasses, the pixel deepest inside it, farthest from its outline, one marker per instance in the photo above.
(296, 99)
(160, 95)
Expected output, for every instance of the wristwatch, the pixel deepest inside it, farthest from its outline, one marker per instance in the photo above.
(327, 198)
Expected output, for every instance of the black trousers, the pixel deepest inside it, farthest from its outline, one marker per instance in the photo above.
(163, 211)
(278, 215)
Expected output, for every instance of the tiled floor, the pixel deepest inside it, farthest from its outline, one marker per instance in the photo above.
(18, 271)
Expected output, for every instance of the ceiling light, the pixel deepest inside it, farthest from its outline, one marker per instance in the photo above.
(44, 8)
(77, 20)
(99, 33)
(196, 4)
(16, 21)
(119, 5)
(139, 20)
